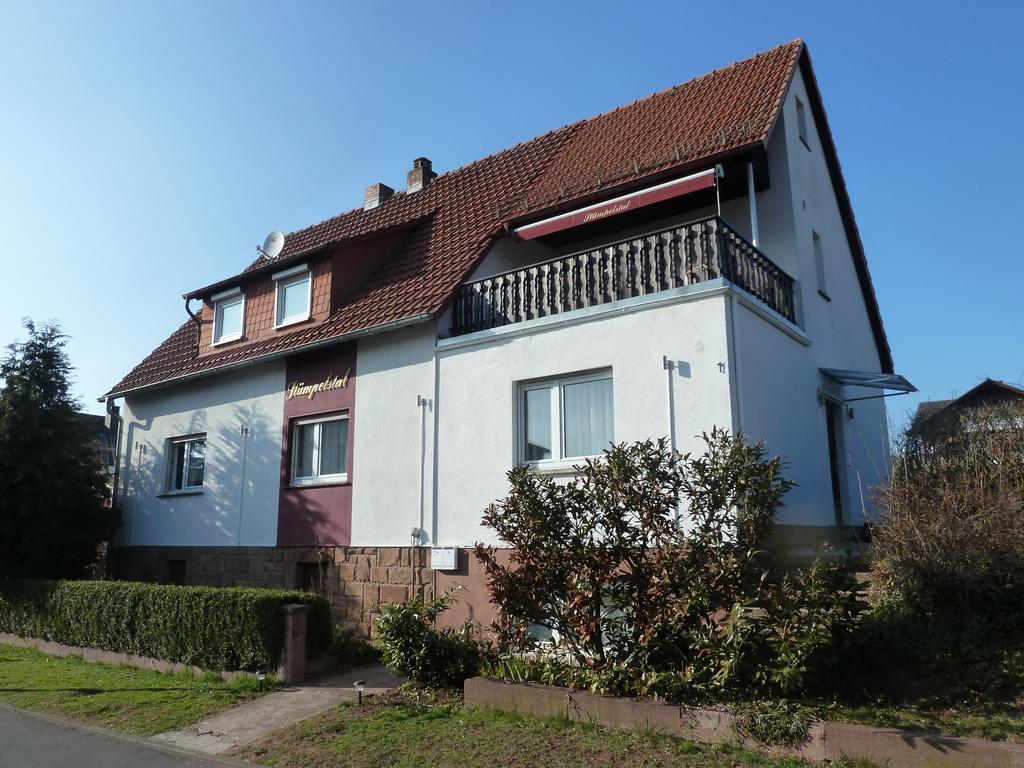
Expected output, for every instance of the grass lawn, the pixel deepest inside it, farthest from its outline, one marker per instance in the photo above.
(138, 701)
(401, 732)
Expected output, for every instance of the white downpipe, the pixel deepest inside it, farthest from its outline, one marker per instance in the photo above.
(423, 404)
(670, 367)
(735, 375)
(752, 197)
(434, 462)
(244, 432)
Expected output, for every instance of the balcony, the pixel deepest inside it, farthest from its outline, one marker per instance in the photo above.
(684, 255)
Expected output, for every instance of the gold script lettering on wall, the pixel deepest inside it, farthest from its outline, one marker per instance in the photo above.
(309, 391)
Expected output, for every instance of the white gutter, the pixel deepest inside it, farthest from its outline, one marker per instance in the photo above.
(373, 330)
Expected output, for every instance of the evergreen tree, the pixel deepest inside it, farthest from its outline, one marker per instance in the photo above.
(53, 493)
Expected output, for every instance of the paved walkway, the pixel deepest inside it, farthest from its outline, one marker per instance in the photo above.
(253, 720)
(29, 740)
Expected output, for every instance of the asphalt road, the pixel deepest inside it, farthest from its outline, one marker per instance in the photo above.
(32, 741)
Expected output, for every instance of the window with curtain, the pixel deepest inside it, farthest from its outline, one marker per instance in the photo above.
(320, 450)
(566, 419)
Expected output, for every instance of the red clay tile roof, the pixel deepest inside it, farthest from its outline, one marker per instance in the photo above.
(716, 113)
(458, 215)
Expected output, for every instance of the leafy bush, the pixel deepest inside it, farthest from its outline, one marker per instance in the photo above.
(650, 570)
(412, 646)
(353, 651)
(774, 722)
(903, 653)
(948, 565)
(951, 530)
(213, 628)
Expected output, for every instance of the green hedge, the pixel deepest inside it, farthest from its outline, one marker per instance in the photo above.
(219, 628)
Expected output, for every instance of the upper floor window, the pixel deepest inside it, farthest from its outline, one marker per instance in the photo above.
(801, 123)
(564, 419)
(819, 265)
(186, 463)
(294, 295)
(228, 315)
(320, 450)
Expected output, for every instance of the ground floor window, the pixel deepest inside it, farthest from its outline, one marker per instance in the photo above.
(186, 463)
(320, 450)
(567, 418)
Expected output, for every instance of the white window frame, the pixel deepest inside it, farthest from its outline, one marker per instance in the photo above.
(172, 463)
(221, 300)
(317, 479)
(556, 386)
(284, 279)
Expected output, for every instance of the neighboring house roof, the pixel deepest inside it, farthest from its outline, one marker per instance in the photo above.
(454, 220)
(987, 392)
(928, 409)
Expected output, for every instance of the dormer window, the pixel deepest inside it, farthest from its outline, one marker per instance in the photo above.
(294, 295)
(228, 315)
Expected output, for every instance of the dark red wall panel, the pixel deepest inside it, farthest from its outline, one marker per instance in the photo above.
(309, 515)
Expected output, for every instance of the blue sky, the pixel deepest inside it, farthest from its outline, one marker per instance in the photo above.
(147, 148)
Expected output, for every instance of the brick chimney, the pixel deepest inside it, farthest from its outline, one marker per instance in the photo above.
(376, 194)
(420, 175)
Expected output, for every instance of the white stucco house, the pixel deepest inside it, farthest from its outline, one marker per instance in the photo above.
(340, 412)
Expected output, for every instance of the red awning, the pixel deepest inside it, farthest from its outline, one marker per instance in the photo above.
(618, 205)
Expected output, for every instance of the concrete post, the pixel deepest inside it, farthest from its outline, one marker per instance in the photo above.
(292, 668)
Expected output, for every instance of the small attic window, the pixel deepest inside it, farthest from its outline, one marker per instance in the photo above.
(228, 316)
(801, 122)
(293, 295)
(819, 266)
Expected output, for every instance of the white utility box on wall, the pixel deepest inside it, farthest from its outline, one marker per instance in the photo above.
(444, 558)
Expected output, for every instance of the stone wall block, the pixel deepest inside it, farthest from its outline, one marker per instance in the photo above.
(400, 575)
(394, 594)
(347, 572)
(257, 567)
(388, 556)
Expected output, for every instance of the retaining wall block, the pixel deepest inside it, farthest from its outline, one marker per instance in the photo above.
(626, 714)
(526, 698)
(827, 742)
(904, 748)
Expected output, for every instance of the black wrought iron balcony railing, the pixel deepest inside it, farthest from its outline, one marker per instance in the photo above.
(684, 255)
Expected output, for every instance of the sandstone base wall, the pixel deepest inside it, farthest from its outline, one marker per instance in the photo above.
(354, 579)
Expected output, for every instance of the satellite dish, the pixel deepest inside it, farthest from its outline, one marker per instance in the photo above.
(273, 245)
